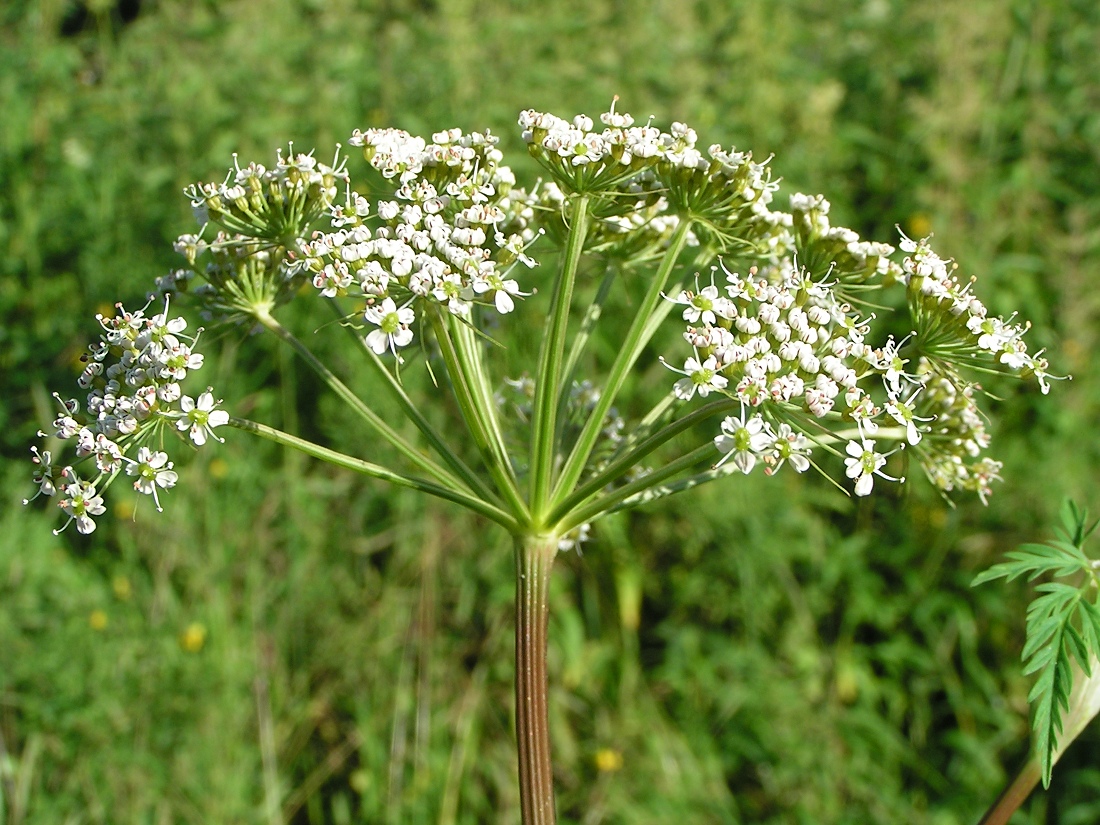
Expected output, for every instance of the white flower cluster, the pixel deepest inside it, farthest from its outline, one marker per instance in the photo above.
(463, 162)
(620, 142)
(441, 239)
(133, 380)
(720, 187)
(792, 348)
(787, 339)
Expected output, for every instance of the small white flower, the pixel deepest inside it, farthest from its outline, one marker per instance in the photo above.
(705, 305)
(864, 465)
(449, 289)
(45, 476)
(502, 290)
(153, 470)
(703, 378)
(982, 475)
(176, 361)
(903, 413)
(85, 442)
(993, 333)
(393, 326)
(201, 418)
(743, 440)
(168, 393)
(333, 280)
(788, 447)
(108, 455)
(1015, 355)
(65, 426)
(81, 503)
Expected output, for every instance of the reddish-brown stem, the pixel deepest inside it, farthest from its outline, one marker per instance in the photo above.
(534, 560)
(1014, 795)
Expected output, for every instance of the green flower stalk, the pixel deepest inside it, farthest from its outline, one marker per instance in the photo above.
(776, 360)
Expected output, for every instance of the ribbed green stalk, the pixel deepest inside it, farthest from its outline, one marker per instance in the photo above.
(434, 437)
(387, 432)
(619, 466)
(376, 471)
(469, 355)
(636, 338)
(548, 377)
(534, 561)
(475, 418)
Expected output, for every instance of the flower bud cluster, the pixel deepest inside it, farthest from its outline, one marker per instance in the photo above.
(240, 276)
(834, 252)
(951, 454)
(955, 328)
(132, 377)
(275, 205)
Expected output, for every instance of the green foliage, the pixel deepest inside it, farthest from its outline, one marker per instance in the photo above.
(1063, 625)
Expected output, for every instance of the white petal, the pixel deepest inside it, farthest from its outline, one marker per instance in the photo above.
(745, 461)
(863, 486)
(376, 340)
(684, 389)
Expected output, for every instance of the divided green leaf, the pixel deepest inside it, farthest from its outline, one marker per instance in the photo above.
(1063, 625)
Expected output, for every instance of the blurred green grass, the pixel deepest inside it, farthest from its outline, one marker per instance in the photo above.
(287, 644)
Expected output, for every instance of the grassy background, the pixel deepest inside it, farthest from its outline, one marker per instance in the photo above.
(288, 644)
